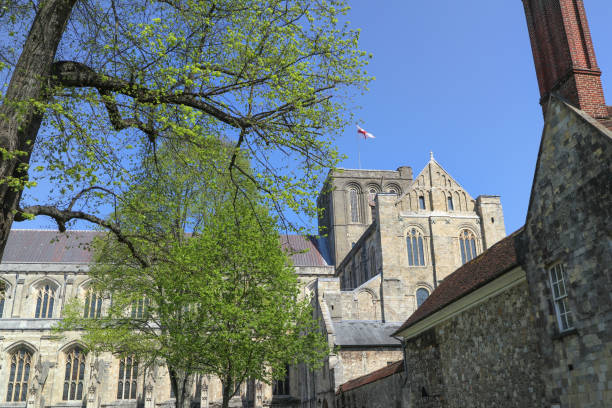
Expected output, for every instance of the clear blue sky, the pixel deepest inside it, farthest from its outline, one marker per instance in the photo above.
(457, 78)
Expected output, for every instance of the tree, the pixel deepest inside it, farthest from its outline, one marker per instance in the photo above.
(92, 86)
(216, 293)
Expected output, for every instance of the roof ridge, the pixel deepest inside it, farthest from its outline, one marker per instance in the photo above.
(383, 372)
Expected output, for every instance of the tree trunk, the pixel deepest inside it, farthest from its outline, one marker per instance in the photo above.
(182, 385)
(230, 388)
(228, 392)
(19, 119)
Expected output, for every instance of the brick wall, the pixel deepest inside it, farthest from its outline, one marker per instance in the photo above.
(564, 55)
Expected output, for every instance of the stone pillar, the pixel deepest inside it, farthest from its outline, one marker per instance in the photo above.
(96, 376)
(204, 392)
(149, 398)
(18, 299)
(258, 403)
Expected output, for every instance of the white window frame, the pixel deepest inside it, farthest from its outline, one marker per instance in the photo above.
(558, 288)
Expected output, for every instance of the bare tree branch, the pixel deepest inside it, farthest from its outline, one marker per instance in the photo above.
(61, 217)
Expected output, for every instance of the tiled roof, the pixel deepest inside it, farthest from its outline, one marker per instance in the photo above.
(48, 246)
(359, 333)
(379, 374)
(481, 270)
(306, 251)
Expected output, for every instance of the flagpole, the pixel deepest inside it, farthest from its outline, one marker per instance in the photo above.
(359, 152)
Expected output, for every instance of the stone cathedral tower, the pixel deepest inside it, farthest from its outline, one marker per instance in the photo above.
(398, 236)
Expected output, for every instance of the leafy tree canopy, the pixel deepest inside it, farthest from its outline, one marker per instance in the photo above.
(92, 86)
(222, 299)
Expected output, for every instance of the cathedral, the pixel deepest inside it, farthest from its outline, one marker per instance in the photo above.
(424, 299)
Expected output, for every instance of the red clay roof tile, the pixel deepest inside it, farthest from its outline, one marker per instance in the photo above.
(379, 374)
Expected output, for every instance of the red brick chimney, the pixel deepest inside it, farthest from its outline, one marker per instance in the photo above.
(564, 55)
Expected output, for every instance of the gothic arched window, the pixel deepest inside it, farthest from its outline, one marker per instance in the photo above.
(467, 245)
(19, 375)
(139, 308)
(93, 305)
(422, 202)
(421, 295)
(74, 375)
(128, 375)
(281, 387)
(416, 250)
(2, 297)
(354, 204)
(44, 302)
(372, 193)
(372, 203)
(451, 206)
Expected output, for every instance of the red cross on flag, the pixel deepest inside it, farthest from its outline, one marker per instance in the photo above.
(366, 135)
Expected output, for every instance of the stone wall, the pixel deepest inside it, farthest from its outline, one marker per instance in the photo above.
(570, 222)
(336, 220)
(486, 356)
(490, 356)
(356, 363)
(384, 393)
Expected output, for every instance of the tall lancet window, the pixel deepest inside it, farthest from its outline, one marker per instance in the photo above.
(2, 297)
(44, 302)
(128, 376)
(467, 245)
(19, 375)
(93, 305)
(416, 249)
(354, 203)
(74, 375)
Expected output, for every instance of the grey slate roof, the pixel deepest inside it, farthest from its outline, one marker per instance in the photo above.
(357, 333)
(48, 246)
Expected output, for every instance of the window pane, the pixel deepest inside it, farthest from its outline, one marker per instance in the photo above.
(421, 252)
(354, 206)
(451, 207)
(409, 243)
(50, 308)
(120, 390)
(422, 202)
(461, 245)
(45, 304)
(99, 306)
(86, 312)
(19, 370)
(80, 390)
(422, 295)
(128, 368)
(37, 313)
